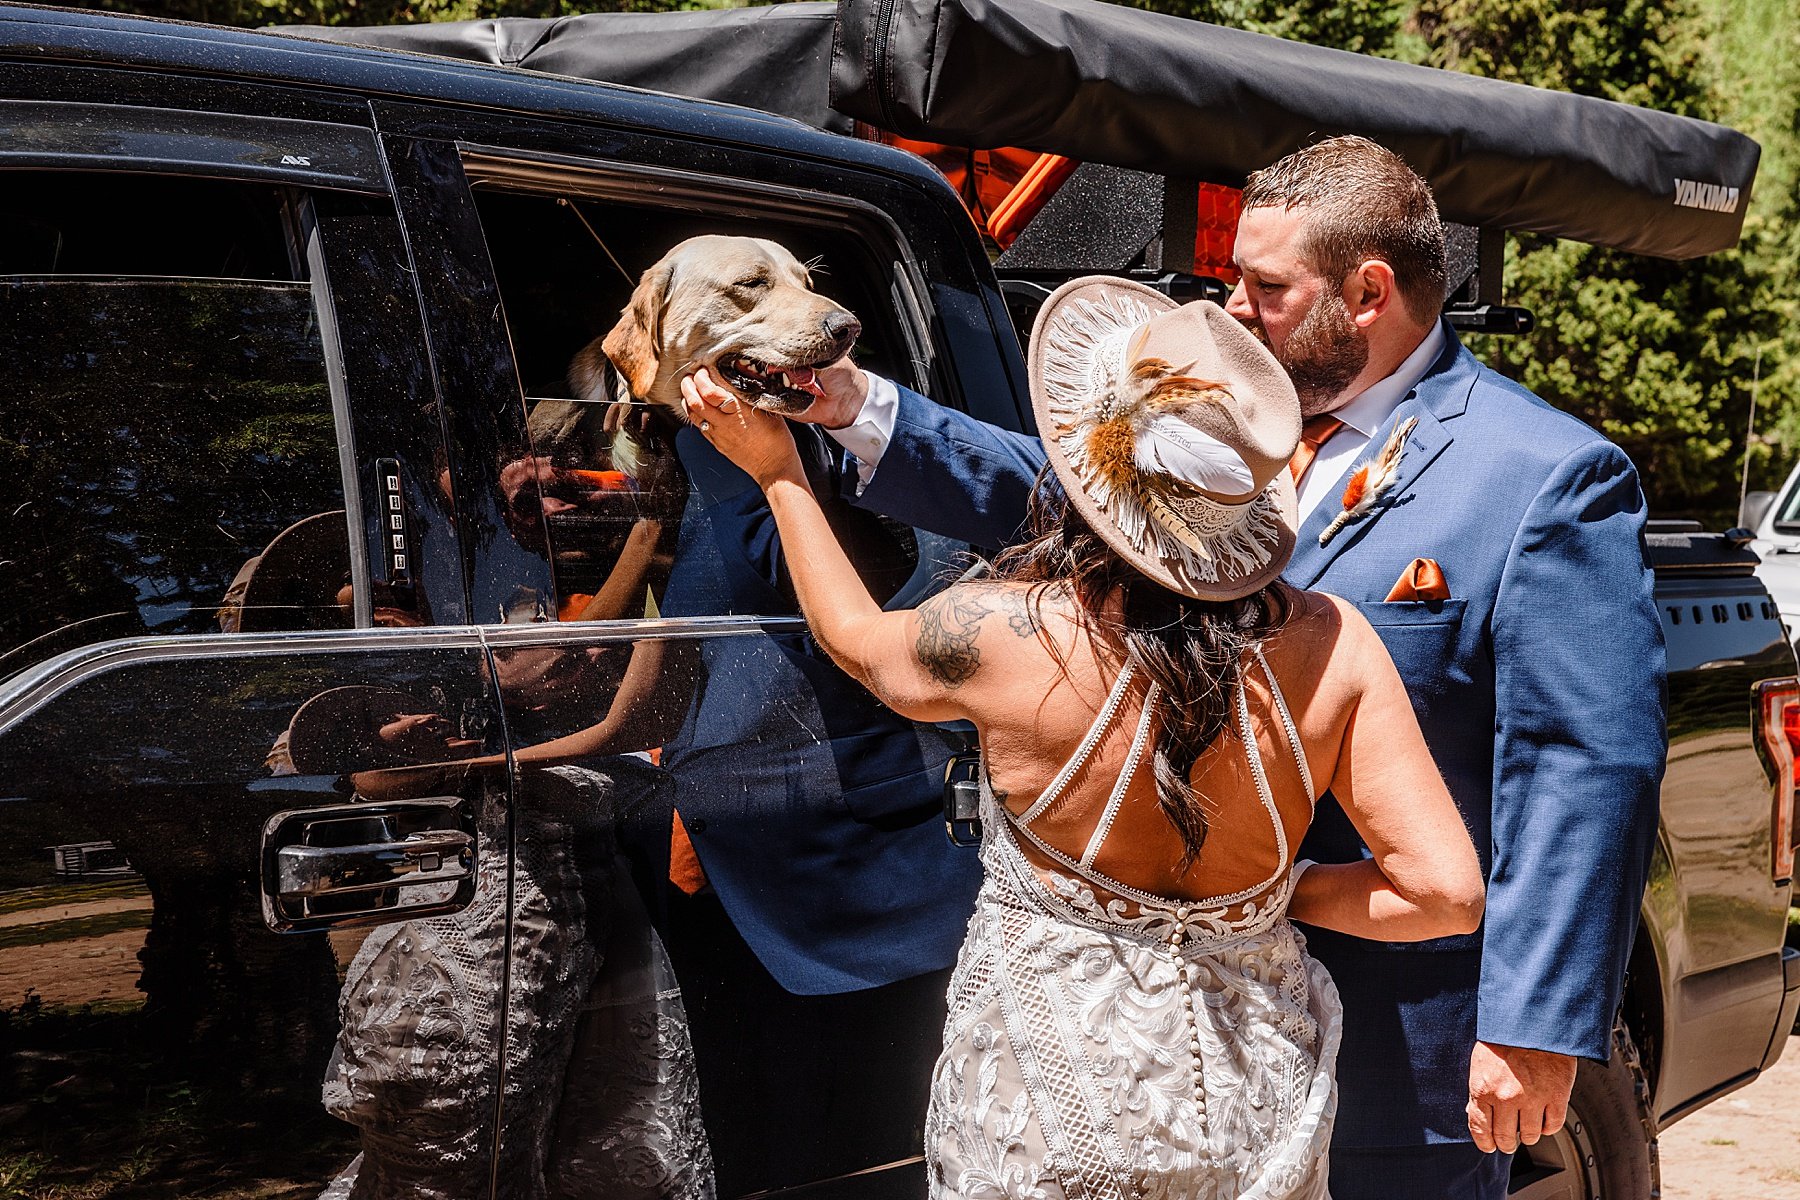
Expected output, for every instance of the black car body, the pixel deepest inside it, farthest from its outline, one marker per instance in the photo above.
(281, 564)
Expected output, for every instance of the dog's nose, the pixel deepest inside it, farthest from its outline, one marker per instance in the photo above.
(841, 327)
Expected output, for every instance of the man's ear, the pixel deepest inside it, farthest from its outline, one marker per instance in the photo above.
(1369, 291)
(635, 344)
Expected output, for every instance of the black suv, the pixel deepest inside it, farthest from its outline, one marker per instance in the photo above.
(362, 703)
(277, 544)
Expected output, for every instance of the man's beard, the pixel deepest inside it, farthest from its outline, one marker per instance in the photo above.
(1324, 354)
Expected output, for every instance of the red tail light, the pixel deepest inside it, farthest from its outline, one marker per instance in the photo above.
(1778, 710)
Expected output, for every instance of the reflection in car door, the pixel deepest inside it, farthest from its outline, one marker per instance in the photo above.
(251, 923)
(732, 867)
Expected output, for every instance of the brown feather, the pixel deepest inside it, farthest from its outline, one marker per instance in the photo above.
(1112, 448)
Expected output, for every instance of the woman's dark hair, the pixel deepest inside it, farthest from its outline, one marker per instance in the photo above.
(1190, 648)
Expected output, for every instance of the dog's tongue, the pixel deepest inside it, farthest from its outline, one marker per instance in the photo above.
(806, 379)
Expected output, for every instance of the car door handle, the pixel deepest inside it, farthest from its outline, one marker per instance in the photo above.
(343, 865)
(435, 856)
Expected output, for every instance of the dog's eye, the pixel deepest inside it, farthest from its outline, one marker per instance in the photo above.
(753, 282)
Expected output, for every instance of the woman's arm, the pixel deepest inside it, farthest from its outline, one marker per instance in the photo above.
(916, 662)
(1424, 880)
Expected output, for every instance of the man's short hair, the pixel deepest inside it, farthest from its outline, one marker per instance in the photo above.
(1363, 202)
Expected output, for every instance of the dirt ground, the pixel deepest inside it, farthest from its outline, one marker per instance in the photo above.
(1743, 1147)
(96, 970)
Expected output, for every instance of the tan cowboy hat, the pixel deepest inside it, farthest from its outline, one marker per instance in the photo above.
(1170, 427)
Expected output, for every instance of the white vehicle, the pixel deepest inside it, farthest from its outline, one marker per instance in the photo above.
(1774, 517)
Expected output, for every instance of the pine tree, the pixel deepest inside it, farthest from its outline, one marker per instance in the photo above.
(1657, 355)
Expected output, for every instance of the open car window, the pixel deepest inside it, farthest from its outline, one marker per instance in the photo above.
(638, 515)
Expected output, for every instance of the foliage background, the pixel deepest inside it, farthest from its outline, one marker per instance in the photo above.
(1663, 357)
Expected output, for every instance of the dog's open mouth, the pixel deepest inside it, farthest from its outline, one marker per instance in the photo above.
(788, 389)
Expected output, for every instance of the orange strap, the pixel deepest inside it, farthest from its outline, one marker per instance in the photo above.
(1028, 196)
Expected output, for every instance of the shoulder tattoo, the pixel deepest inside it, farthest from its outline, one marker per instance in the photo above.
(950, 622)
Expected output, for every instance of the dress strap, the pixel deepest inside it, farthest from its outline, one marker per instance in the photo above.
(1293, 731)
(1102, 722)
(1138, 741)
(1084, 866)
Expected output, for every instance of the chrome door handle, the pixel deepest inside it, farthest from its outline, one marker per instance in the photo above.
(436, 856)
(365, 863)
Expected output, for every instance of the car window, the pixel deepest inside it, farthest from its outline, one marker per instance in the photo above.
(760, 840)
(169, 458)
(617, 492)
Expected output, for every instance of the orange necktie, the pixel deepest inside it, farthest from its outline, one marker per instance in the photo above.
(1314, 433)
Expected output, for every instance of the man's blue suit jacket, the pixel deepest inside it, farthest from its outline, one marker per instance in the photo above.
(1539, 686)
(816, 811)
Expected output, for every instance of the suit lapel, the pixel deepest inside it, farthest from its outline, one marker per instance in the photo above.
(1439, 397)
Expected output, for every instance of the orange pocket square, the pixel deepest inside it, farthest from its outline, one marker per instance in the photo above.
(1423, 579)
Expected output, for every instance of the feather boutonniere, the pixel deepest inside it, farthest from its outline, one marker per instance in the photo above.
(1371, 481)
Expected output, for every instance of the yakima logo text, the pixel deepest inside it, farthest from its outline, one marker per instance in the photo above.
(1714, 197)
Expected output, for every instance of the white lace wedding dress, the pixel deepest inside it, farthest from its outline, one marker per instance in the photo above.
(1107, 1043)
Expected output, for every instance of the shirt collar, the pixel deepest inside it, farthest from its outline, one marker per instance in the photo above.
(1367, 411)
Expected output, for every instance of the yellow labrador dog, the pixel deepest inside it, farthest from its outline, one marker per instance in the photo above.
(743, 307)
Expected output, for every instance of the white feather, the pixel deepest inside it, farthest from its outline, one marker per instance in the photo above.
(1169, 446)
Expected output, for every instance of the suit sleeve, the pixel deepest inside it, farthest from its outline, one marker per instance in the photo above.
(1578, 759)
(953, 475)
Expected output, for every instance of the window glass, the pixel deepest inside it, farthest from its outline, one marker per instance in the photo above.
(168, 453)
(615, 491)
(759, 838)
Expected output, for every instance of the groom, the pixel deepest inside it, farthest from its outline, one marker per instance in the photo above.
(1504, 571)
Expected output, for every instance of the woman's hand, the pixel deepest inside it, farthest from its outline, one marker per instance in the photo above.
(758, 443)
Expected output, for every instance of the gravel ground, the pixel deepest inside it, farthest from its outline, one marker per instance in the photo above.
(1743, 1147)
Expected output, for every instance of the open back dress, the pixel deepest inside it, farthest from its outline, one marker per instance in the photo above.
(1104, 1043)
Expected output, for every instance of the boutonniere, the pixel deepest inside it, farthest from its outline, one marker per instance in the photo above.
(1371, 481)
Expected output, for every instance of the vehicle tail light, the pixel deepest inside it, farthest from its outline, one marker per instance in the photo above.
(1778, 712)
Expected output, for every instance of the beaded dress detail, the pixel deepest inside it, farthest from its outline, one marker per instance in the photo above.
(1104, 1043)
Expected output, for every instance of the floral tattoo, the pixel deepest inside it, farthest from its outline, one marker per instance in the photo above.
(950, 622)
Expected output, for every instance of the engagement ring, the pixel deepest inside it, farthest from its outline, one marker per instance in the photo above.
(705, 425)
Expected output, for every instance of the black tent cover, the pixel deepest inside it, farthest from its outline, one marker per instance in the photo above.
(1102, 83)
(775, 58)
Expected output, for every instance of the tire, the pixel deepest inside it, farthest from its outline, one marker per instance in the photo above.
(1605, 1150)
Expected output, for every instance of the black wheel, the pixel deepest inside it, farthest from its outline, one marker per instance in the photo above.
(1605, 1150)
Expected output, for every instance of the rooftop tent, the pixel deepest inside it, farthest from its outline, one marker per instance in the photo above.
(776, 58)
(1148, 92)
(1173, 98)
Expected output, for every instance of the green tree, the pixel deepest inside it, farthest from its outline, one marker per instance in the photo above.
(1658, 355)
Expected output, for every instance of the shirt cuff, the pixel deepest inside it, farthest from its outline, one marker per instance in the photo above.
(867, 439)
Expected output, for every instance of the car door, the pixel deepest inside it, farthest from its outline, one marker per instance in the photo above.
(251, 924)
(754, 847)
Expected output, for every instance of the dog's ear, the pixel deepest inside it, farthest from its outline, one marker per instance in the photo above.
(590, 374)
(635, 343)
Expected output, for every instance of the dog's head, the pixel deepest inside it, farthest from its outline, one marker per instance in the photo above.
(743, 307)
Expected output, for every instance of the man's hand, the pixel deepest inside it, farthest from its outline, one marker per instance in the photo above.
(1517, 1096)
(843, 389)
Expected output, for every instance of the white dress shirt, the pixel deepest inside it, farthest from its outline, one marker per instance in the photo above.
(868, 436)
(1362, 416)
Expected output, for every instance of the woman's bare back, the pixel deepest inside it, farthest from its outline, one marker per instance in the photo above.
(1033, 696)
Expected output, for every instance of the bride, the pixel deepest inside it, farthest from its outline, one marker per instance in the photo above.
(1132, 1014)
